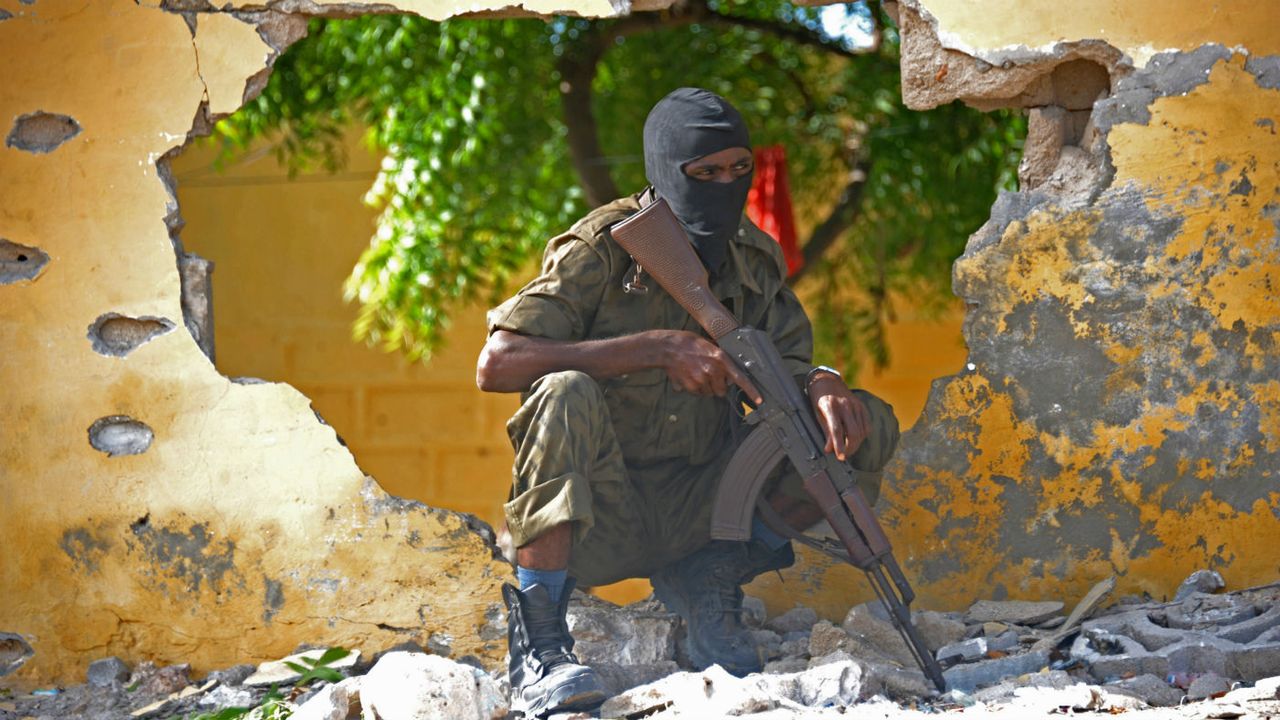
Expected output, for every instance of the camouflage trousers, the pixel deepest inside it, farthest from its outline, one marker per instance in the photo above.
(630, 521)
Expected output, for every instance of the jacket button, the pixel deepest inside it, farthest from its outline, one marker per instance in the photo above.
(672, 418)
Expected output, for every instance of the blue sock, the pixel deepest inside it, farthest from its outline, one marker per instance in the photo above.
(552, 580)
(763, 533)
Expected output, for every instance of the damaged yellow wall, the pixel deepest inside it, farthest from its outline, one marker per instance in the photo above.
(227, 524)
(1117, 413)
(1155, 294)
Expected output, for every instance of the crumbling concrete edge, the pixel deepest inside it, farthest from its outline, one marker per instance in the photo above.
(280, 26)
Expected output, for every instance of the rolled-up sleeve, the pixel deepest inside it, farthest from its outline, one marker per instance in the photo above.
(560, 303)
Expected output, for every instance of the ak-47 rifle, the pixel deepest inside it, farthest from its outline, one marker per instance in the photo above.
(785, 429)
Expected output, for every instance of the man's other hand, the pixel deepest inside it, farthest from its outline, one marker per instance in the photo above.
(844, 419)
(697, 365)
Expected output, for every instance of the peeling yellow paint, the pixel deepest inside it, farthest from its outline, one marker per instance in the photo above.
(246, 527)
(1213, 144)
(1139, 28)
(442, 9)
(229, 51)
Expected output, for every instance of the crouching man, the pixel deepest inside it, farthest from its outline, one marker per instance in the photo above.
(625, 429)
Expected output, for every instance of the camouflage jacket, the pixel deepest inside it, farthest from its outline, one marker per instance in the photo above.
(579, 296)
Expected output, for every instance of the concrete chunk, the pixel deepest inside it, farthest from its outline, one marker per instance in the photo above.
(964, 651)
(969, 677)
(1200, 581)
(1019, 612)
(1207, 686)
(795, 619)
(1149, 689)
(415, 686)
(106, 671)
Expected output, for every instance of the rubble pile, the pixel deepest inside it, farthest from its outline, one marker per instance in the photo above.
(1024, 657)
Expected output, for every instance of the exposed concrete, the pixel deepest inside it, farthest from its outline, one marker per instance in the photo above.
(1070, 76)
(120, 435)
(14, 651)
(20, 262)
(117, 335)
(197, 299)
(41, 132)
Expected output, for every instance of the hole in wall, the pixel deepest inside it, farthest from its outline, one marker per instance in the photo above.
(116, 335)
(20, 262)
(117, 435)
(41, 132)
(282, 248)
(14, 652)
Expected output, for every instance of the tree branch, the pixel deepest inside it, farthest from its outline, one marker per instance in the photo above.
(577, 66)
(794, 34)
(839, 220)
(577, 71)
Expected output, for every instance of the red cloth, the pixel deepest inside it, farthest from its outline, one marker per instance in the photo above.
(769, 203)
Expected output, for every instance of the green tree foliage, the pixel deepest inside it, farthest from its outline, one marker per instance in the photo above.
(494, 134)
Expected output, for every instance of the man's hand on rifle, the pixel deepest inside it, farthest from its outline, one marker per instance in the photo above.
(844, 419)
(697, 365)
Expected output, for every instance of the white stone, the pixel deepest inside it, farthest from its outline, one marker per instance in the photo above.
(621, 635)
(710, 693)
(278, 672)
(1078, 698)
(836, 683)
(333, 702)
(416, 686)
(753, 611)
(227, 696)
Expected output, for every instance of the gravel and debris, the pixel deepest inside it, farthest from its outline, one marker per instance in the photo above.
(1203, 655)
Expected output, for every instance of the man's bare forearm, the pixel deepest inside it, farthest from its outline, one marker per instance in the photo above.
(511, 362)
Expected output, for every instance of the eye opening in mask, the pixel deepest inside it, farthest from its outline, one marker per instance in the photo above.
(723, 166)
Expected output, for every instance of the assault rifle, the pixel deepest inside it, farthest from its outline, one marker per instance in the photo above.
(785, 428)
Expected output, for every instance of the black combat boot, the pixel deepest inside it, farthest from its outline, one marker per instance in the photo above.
(545, 675)
(705, 588)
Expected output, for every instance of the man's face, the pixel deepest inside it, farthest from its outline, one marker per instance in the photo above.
(724, 166)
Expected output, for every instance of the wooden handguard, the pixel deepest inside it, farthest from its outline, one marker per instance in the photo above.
(658, 242)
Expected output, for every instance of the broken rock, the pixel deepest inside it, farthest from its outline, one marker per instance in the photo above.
(1019, 612)
(972, 676)
(1207, 686)
(711, 693)
(865, 623)
(1200, 581)
(966, 651)
(332, 702)
(606, 633)
(415, 686)
(938, 629)
(104, 672)
(1151, 690)
(618, 678)
(797, 619)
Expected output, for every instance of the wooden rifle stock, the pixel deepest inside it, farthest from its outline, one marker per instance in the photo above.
(658, 243)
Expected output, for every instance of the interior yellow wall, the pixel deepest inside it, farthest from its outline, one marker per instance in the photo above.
(282, 249)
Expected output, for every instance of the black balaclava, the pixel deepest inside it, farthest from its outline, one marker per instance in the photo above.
(684, 126)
